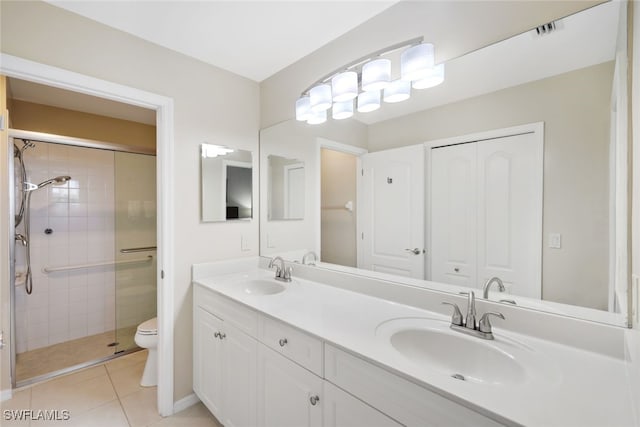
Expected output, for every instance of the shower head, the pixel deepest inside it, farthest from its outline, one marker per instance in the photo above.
(57, 180)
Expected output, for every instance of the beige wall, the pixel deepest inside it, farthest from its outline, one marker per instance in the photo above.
(59, 121)
(338, 225)
(455, 28)
(574, 108)
(210, 104)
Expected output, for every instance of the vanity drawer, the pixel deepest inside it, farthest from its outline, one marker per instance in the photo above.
(230, 311)
(298, 346)
(400, 399)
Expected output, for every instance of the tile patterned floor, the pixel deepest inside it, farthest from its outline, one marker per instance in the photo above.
(107, 395)
(41, 361)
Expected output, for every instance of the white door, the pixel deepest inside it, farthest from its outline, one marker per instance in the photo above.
(239, 364)
(286, 392)
(294, 191)
(391, 216)
(343, 410)
(486, 213)
(207, 353)
(453, 215)
(510, 213)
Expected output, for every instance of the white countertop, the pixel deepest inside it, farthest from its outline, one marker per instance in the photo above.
(576, 388)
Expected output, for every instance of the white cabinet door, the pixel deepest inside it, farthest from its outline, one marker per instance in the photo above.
(288, 395)
(391, 215)
(240, 352)
(207, 355)
(343, 410)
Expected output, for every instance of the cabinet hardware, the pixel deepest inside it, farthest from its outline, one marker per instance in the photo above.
(283, 342)
(222, 336)
(217, 335)
(314, 400)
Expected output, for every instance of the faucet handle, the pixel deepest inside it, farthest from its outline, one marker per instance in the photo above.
(287, 273)
(456, 318)
(484, 325)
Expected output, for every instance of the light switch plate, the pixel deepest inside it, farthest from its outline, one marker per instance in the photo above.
(555, 240)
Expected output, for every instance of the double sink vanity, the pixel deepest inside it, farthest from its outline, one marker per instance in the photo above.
(326, 348)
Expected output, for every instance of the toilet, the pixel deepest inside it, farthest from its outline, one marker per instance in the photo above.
(147, 337)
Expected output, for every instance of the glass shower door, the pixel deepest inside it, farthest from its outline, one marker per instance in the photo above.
(135, 244)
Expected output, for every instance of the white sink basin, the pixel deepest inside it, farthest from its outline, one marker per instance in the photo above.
(430, 345)
(263, 287)
(457, 355)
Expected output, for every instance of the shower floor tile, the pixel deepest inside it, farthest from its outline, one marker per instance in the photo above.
(49, 359)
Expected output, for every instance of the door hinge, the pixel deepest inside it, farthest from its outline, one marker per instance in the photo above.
(162, 274)
(2, 122)
(1, 340)
(361, 236)
(362, 172)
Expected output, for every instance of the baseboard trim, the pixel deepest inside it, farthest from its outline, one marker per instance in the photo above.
(6, 395)
(185, 402)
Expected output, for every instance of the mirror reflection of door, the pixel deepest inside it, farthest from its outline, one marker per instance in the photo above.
(286, 190)
(486, 213)
(294, 190)
(238, 192)
(392, 211)
(338, 228)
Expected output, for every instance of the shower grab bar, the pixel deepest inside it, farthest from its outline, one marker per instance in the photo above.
(143, 249)
(95, 264)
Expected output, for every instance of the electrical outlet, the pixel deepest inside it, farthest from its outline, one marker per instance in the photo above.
(271, 241)
(244, 244)
(555, 240)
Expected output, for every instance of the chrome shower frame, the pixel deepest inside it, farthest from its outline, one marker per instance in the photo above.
(16, 134)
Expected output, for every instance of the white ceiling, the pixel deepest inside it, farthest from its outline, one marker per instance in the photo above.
(254, 39)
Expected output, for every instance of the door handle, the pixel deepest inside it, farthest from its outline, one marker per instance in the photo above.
(414, 251)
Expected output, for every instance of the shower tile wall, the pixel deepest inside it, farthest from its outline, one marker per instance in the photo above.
(78, 303)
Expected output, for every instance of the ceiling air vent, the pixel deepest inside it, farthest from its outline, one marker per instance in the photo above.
(546, 28)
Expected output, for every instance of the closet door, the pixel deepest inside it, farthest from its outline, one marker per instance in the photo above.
(453, 214)
(509, 213)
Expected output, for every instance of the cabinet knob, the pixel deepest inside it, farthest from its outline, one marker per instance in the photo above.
(283, 342)
(222, 336)
(217, 335)
(314, 400)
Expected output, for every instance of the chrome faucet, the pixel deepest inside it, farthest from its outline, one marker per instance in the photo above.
(310, 254)
(481, 329)
(487, 285)
(282, 273)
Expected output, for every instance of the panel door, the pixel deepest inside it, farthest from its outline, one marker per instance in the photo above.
(343, 410)
(453, 215)
(392, 211)
(509, 214)
(286, 391)
(207, 354)
(240, 356)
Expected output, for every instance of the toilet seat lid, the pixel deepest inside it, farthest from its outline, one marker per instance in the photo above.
(149, 327)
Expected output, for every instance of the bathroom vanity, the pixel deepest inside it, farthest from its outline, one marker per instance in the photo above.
(306, 353)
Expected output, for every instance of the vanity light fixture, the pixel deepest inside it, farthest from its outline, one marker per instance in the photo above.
(211, 150)
(320, 98)
(416, 62)
(344, 86)
(338, 88)
(398, 91)
(342, 110)
(434, 77)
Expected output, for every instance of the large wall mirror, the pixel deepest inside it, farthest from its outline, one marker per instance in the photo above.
(226, 182)
(515, 167)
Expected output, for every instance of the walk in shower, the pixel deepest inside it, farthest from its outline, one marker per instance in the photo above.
(83, 259)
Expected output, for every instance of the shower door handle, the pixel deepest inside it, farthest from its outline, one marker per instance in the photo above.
(142, 249)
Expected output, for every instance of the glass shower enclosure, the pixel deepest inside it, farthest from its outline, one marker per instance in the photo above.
(84, 257)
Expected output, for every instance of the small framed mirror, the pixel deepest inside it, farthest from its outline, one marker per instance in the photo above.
(286, 188)
(226, 181)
